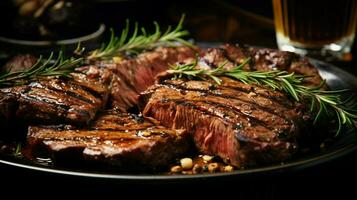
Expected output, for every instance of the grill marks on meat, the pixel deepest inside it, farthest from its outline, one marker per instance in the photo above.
(244, 126)
(114, 139)
(55, 100)
(132, 76)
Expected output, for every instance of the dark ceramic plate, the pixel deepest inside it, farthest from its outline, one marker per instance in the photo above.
(345, 143)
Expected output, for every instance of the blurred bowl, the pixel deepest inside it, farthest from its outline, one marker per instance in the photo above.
(12, 46)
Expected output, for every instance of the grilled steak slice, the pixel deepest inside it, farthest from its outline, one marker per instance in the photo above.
(113, 139)
(243, 124)
(56, 100)
(263, 59)
(132, 76)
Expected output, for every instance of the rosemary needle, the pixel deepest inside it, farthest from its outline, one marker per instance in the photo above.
(18, 152)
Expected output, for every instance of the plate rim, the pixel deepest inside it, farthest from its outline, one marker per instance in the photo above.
(301, 164)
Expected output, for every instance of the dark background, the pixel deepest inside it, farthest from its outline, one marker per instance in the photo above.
(235, 21)
(245, 22)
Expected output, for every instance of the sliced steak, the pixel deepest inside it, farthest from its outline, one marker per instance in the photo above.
(56, 100)
(243, 124)
(262, 59)
(132, 76)
(113, 139)
(77, 100)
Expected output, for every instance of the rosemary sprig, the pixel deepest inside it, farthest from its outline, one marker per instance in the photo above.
(321, 102)
(42, 68)
(138, 42)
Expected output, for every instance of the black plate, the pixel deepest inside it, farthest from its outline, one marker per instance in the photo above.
(345, 143)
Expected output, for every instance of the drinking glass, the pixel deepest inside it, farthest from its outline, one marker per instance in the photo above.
(315, 27)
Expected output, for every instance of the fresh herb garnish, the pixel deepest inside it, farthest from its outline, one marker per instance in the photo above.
(322, 102)
(18, 152)
(139, 42)
(42, 68)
